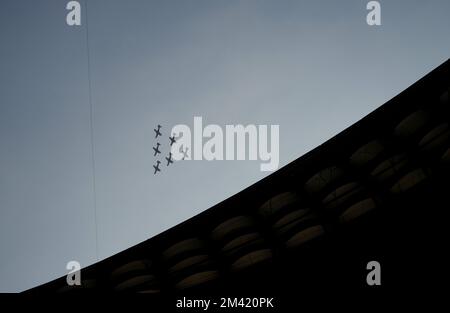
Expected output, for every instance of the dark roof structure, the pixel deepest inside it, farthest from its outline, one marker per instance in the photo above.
(376, 191)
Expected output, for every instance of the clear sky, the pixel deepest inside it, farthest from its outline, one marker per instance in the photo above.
(312, 67)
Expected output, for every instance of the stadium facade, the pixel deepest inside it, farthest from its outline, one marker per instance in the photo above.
(377, 191)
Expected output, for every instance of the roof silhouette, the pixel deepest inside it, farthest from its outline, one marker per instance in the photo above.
(375, 190)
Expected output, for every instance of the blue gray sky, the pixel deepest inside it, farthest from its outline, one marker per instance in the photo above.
(312, 67)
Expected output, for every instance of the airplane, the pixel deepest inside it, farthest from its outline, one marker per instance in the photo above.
(156, 149)
(157, 131)
(169, 159)
(156, 167)
(172, 140)
(185, 155)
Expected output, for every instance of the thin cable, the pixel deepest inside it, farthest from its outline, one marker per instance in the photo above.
(92, 129)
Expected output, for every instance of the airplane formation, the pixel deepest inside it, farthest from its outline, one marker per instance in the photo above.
(156, 150)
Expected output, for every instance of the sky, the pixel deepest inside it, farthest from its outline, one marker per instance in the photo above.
(78, 105)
